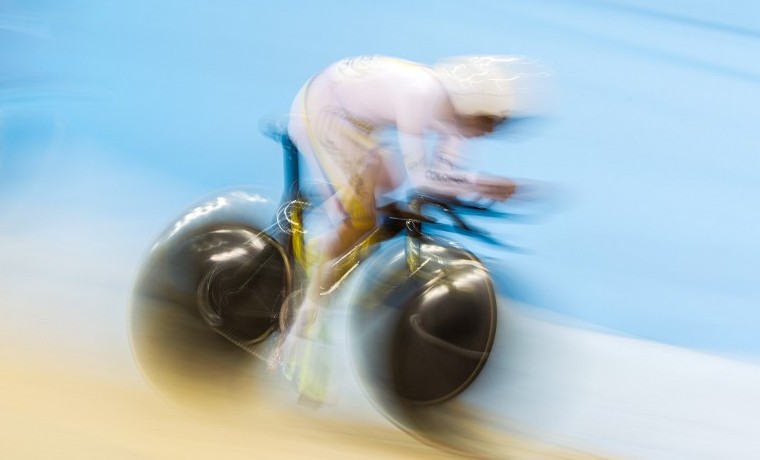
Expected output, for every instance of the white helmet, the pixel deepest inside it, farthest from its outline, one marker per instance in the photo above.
(480, 85)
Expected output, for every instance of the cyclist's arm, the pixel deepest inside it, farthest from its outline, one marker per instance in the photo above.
(443, 172)
(419, 113)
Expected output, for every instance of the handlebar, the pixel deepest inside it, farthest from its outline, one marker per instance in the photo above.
(450, 205)
(417, 199)
(413, 214)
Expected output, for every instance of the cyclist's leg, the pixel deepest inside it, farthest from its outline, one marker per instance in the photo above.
(349, 159)
(340, 152)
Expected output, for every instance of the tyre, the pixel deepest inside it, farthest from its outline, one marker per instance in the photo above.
(208, 292)
(421, 338)
(247, 279)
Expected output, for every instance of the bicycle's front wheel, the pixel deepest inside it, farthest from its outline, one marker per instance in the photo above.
(419, 339)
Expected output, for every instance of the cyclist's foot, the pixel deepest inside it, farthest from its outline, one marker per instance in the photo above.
(314, 366)
(296, 329)
(303, 355)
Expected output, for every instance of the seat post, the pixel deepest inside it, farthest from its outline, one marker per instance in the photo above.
(291, 167)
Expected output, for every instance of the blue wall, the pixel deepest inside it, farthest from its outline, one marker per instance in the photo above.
(137, 108)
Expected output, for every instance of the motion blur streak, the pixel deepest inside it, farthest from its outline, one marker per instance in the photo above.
(628, 325)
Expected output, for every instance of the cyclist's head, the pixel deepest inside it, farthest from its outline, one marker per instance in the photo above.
(491, 89)
(479, 85)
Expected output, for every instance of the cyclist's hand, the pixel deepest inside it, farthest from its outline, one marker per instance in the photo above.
(495, 188)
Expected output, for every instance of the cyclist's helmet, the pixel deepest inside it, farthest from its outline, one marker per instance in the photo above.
(479, 85)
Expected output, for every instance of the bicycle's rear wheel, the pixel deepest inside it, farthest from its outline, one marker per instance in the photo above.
(206, 296)
(245, 284)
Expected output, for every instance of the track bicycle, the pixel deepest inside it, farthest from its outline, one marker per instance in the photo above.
(221, 282)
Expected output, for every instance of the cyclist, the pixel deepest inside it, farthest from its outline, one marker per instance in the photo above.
(335, 122)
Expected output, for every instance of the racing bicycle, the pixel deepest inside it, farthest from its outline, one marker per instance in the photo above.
(220, 283)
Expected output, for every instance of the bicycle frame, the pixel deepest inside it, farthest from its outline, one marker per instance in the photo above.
(427, 262)
(211, 290)
(294, 205)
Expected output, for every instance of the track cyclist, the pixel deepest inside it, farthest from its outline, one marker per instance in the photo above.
(336, 122)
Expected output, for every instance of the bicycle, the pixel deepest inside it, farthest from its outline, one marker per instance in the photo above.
(220, 283)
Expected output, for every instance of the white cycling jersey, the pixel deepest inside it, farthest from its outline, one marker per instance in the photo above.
(336, 115)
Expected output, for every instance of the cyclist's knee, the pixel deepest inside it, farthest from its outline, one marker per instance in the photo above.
(363, 223)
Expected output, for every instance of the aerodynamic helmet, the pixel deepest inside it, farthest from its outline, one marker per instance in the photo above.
(480, 85)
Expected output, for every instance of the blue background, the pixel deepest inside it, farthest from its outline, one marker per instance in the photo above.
(115, 116)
